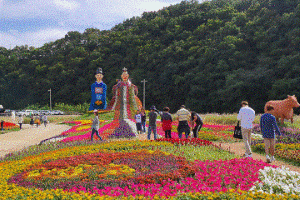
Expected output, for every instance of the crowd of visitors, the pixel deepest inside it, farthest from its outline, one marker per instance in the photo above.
(187, 121)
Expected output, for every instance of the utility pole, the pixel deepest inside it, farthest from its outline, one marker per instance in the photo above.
(50, 100)
(144, 84)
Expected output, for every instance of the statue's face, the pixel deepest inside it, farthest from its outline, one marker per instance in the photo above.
(99, 77)
(125, 76)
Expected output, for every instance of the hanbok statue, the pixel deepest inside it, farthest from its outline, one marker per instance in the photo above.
(125, 101)
(99, 89)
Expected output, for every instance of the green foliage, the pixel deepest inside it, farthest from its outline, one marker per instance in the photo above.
(209, 56)
(201, 153)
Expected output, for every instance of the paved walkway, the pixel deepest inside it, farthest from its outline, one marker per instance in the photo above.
(17, 140)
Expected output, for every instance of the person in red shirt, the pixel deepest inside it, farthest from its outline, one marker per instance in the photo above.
(166, 120)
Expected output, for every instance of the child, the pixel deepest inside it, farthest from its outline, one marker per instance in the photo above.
(138, 121)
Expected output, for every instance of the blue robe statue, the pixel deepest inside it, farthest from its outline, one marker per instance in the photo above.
(98, 101)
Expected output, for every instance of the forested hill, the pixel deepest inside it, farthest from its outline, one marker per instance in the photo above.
(209, 56)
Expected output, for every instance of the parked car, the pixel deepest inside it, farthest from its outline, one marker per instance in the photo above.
(61, 112)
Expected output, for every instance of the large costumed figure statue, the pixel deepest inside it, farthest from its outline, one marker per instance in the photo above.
(125, 102)
(99, 89)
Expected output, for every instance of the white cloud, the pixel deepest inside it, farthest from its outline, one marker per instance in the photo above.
(36, 39)
(41, 21)
(147, 6)
(66, 5)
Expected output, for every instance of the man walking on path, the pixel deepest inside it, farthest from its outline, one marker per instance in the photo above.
(45, 120)
(183, 116)
(152, 122)
(246, 115)
(20, 121)
(95, 126)
(268, 126)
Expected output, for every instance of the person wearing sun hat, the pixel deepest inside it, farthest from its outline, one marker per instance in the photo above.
(95, 126)
(98, 89)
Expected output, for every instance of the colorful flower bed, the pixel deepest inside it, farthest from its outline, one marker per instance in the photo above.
(287, 146)
(113, 129)
(132, 169)
(211, 132)
(282, 150)
(9, 125)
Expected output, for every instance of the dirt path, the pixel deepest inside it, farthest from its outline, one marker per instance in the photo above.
(17, 140)
(238, 149)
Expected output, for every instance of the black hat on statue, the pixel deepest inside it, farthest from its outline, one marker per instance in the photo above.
(99, 71)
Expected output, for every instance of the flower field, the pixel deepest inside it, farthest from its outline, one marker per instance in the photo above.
(130, 169)
(286, 147)
(9, 125)
(194, 168)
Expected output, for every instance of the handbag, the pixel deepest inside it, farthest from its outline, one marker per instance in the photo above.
(238, 131)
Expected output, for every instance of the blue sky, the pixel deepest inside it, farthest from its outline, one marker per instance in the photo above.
(36, 22)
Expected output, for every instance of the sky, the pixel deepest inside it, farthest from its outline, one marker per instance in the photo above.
(36, 22)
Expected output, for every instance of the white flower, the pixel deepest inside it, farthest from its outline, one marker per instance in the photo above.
(278, 181)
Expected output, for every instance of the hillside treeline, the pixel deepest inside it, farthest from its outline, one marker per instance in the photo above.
(209, 56)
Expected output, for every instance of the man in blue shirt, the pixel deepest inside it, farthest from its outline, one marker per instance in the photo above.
(268, 126)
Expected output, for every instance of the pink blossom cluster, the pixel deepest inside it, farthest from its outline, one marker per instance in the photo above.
(73, 130)
(86, 136)
(211, 176)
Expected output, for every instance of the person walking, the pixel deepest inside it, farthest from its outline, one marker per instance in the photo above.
(183, 116)
(20, 121)
(269, 127)
(166, 120)
(138, 121)
(95, 126)
(246, 115)
(196, 119)
(31, 121)
(45, 120)
(37, 121)
(2, 125)
(152, 122)
(144, 117)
